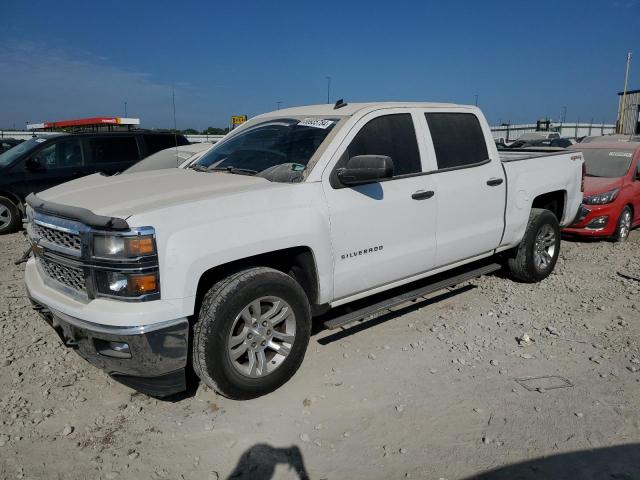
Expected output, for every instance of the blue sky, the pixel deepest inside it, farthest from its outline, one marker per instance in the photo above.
(524, 60)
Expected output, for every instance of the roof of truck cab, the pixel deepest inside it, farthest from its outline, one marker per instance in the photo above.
(328, 110)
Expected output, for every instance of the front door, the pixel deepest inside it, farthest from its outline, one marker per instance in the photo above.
(380, 233)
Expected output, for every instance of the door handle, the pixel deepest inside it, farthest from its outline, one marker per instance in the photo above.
(423, 194)
(494, 182)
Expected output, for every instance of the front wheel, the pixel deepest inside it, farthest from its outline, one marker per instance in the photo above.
(9, 216)
(624, 225)
(252, 333)
(537, 254)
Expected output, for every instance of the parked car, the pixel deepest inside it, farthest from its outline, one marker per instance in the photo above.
(43, 162)
(296, 213)
(173, 157)
(7, 143)
(611, 204)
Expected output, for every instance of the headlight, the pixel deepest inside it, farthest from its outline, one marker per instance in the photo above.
(601, 198)
(126, 285)
(114, 246)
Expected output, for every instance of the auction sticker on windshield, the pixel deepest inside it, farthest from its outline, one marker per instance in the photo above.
(316, 123)
(621, 154)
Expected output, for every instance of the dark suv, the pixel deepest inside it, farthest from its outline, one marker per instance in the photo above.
(44, 162)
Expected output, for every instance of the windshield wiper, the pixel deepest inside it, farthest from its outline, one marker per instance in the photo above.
(236, 170)
(198, 168)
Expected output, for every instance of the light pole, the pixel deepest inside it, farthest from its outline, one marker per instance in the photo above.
(563, 116)
(476, 95)
(328, 89)
(125, 109)
(278, 104)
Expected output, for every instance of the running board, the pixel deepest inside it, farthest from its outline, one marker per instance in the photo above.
(388, 303)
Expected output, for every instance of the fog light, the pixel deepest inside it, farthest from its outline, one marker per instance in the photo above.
(598, 223)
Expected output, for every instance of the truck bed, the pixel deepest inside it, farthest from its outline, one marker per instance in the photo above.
(515, 154)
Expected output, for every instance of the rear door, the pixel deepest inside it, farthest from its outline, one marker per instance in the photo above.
(471, 187)
(380, 233)
(111, 153)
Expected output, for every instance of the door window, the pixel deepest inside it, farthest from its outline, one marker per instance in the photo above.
(390, 135)
(113, 149)
(157, 142)
(62, 154)
(457, 139)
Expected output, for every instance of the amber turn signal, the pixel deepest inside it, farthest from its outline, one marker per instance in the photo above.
(142, 284)
(138, 246)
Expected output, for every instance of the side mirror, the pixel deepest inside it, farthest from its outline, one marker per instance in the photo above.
(32, 164)
(364, 169)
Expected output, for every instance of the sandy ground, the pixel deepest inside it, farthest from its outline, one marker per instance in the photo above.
(429, 393)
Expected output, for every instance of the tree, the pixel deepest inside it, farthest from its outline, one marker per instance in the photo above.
(190, 131)
(215, 131)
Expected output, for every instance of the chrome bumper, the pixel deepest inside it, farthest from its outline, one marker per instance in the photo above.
(150, 359)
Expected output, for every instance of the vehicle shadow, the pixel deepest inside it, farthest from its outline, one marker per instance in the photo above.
(620, 462)
(260, 461)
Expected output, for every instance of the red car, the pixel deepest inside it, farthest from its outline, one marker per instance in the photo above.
(611, 204)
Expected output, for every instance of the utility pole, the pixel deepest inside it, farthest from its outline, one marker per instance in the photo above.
(125, 109)
(624, 94)
(328, 89)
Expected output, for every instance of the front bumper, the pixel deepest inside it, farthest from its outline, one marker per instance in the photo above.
(151, 359)
(583, 225)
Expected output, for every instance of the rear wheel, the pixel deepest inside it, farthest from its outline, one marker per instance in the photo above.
(252, 333)
(9, 216)
(624, 225)
(537, 254)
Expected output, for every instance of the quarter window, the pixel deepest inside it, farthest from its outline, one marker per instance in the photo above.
(457, 139)
(113, 149)
(390, 135)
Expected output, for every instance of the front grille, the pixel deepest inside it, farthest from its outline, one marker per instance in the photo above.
(58, 237)
(70, 276)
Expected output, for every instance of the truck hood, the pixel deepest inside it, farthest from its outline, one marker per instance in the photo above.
(595, 185)
(122, 196)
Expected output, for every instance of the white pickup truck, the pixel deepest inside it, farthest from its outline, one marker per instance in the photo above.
(222, 266)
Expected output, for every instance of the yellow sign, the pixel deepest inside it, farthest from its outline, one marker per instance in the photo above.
(238, 120)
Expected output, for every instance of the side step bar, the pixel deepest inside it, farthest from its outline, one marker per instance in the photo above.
(388, 303)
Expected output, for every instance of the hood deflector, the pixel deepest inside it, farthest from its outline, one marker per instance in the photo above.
(76, 213)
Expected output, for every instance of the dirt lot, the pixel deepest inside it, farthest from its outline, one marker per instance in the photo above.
(430, 393)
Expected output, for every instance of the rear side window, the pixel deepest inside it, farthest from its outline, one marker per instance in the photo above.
(155, 143)
(393, 136)
(113, 149)
(457, 138)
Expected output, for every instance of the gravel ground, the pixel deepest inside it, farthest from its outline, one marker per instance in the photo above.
(430, 393)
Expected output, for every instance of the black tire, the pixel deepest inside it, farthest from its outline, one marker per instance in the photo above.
(522, 264)
(11, 219)
(622, 230)
(221, 306)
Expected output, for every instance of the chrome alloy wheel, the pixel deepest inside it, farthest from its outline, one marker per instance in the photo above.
(545, 247)
(624, 227)
(261, 336)
(5, 216)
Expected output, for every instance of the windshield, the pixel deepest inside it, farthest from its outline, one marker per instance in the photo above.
(10, 155)
(269, 144)
(607, 163)
(170, 158)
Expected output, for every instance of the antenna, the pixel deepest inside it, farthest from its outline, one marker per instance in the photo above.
(175, 128)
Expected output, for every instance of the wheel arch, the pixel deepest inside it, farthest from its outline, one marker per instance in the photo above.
(554, 201)
(297, 262)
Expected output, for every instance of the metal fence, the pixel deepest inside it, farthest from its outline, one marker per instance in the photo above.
(512, 132)
(26, 135)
